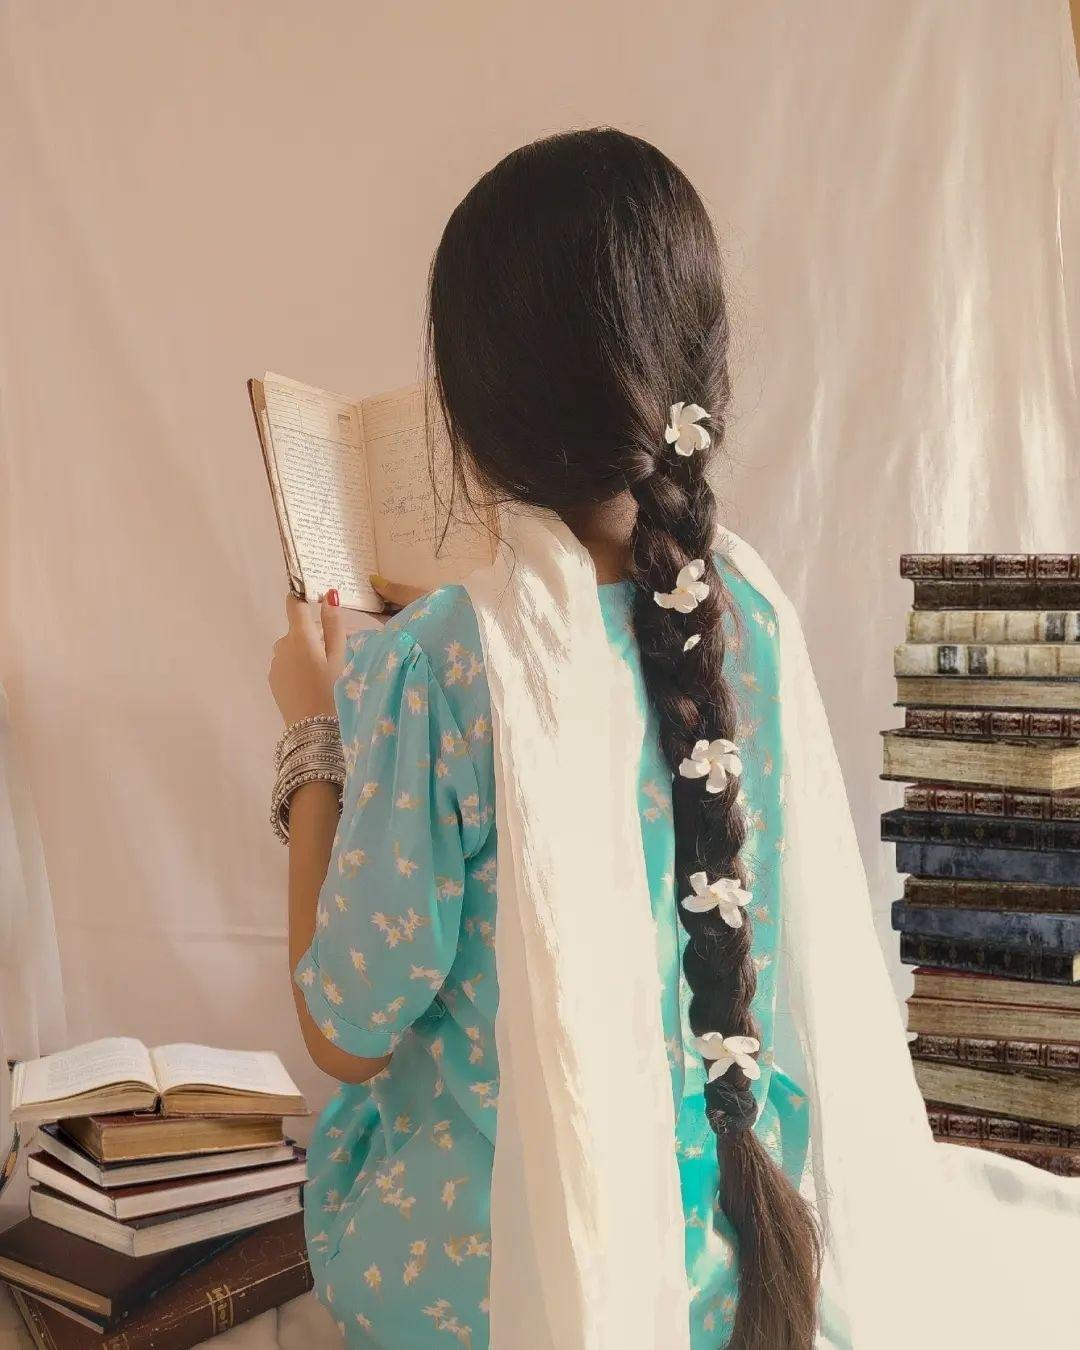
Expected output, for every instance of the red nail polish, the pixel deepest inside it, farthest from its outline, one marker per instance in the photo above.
(332, 597)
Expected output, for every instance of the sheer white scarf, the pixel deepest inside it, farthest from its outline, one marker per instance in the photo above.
(928, 1244)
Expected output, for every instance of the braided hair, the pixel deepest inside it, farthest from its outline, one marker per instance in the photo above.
(575, 293)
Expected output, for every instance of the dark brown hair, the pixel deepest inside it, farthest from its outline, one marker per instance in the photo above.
(575, 294)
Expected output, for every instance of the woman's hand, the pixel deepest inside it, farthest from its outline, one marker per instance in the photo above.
(308, 659)
(395, 593)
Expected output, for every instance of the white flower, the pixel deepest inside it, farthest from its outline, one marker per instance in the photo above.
(724, 894)
(724, 1051)
(683, 430)
(691, 642)
(689, 590)
(716, 759)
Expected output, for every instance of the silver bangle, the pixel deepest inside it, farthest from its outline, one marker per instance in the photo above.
(308, 751)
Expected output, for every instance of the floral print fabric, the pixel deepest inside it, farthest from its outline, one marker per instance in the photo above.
(403, 960)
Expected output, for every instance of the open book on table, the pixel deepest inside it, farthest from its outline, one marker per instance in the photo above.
(121, 1074)
(351, 483)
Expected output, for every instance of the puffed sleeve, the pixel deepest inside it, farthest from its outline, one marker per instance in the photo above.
(386, 927)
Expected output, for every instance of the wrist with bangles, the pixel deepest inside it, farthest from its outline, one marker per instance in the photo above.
(309, 751)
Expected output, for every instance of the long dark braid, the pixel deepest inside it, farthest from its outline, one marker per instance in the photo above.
(575, 294)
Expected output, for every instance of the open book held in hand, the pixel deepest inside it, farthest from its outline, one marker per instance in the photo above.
(352, 488)
(121, 1074)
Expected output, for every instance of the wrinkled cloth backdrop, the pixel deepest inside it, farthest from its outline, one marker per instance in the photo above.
(195, 193)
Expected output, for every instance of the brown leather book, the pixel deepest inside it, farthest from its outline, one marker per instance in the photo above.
(41, 1258)
(262, 1270)
(1063, 1162)
(135, 1135)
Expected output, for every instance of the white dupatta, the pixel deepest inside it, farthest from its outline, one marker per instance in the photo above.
(929, 1244)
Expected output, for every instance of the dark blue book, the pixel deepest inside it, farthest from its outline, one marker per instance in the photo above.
(999, 927)
(932, 827)
(986, 863)
(979, 958)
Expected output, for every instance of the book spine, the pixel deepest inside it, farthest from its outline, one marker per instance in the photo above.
(980, 959)
(995, 594)
(1042, 933)
(981, 1052)
(1017, 660)
(988, 864)
(900, 826)
(993, 724)
(996, 625)
(947, 799)
(1061, 1162)
(983, 1127)
(1016, 895)
(223, 1307)
(990, 566)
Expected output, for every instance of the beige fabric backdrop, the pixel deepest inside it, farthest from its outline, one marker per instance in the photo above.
(196, 192)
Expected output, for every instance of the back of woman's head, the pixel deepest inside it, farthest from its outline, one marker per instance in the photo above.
(575, 295)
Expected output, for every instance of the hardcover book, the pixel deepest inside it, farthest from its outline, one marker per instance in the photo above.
(149, 1234)
(104, 1284)
(159, 1197)
(974, 893)
(262, 1270)
(1050, 767)
(991, 864)
(925, 827)
(993, 723)
(1054, 1100)
(998, 1024)
(967, 801)
(1013, 962)
(990, 566)
(998, 927)
(975, 691)
(995, 594)
(131, 1136)
(121, 1074)
(958, 986)
(1063, 1162)
(1002, 625)
(955, 1123)
(1004, 660)
(985, 1052)
(51, 1139)
(352, 485)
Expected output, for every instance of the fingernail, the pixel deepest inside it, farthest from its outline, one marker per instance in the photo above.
(377, 580)
(332, 597)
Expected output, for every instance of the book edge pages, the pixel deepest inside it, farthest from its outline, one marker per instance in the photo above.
(257, 396)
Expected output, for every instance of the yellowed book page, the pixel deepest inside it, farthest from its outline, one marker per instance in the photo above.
(261, 1071)
(319, 480)
(408, 520)
(86, 1068)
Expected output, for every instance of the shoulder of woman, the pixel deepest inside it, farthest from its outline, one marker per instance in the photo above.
(440, 627)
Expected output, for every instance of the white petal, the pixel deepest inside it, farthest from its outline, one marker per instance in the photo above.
(722, 746)
(671, 434)
(699, 590)
(709, 1045)
(749, 1066)
(684, 447)
(691, 642)
(696, 569)
(684, 602)
(717, 779)
(693, 768)
(704, 439)
(731, 915)
(720, 1066)
(692, 412)
(700, 750)
(674, 413)
(664, 600)
(742, 1045)
(699, 881)
(698, 904)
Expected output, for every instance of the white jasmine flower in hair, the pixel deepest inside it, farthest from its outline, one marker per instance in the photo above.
(691, 642)
(715, 760)
(683, 431)
(724, 894)
(689, 590)
(724, 1051)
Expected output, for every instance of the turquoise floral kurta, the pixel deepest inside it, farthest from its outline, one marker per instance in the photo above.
(403, 960)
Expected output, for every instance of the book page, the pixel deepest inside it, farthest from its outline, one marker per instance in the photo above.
(242, 1070)
(86, 1068)
(408, 520)
(322, 484)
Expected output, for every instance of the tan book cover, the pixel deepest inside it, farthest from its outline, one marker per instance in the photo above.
(356, 491)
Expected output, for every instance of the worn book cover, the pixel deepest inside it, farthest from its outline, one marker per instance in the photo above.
(992, 1053)
(262, 1270)
(1000, 927)
(1015, 963)
(1058, 867)
(1005, 802)
(1053, 766)
(994, 723)
(990, 566)
(925, 827)
(1028, 1095)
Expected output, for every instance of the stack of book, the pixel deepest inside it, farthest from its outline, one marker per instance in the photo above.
(165, 1200)
(989, 835)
